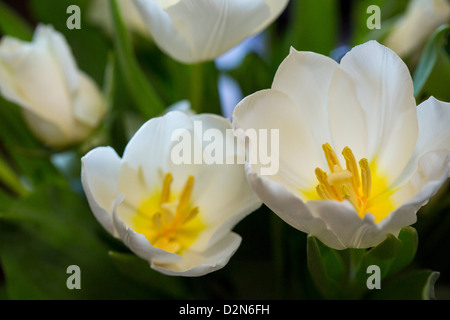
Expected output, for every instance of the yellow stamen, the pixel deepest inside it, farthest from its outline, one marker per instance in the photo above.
(331, 157)
(344, 184)
(351, 165)
(366, 177)
(165, 193)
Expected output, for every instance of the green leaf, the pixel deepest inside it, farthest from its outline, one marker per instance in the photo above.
(10, 179)
(144, 95)
(139, 270)
(415, 285)
(53, 228)
(13, 24)
(432, 74)
(326, 267)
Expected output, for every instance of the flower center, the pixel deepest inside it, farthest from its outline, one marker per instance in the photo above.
(167, 219)
(353, 183)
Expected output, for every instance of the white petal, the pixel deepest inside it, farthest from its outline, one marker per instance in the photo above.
(198, 264)
(298, 151)
(342, 219)
(61, 52)
(434, 134)
(163, 30)
(99, 174)
(384, 89)
(192, 31)
(347, 118)
(430, 173)
(305, 77)
(151, 147)
(8, 87)
(88, 103)
(291, 208)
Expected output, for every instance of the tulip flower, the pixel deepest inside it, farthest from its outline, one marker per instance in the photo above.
(412, 30)
(176, 216)
(61, 104)
(195, 31)
(357, 157)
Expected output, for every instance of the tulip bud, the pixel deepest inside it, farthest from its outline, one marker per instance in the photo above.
(61, 104)
(421, 19)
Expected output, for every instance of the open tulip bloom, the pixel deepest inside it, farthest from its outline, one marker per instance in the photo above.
(357, 157)
(176, 216)
(193, 31)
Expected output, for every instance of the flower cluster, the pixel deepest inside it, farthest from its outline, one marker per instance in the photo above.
(358, 155)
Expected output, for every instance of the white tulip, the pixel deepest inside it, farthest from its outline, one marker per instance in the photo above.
(177, 217)
(412, 30)
(61, 104)
(194, 31)
(394, 156)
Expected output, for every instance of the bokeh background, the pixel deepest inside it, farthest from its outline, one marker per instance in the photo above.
(51, 227)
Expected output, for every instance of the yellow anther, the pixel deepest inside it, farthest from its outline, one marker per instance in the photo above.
(331, 157)
(352, 166)
(366, 178)
(165, 193)
(185, 196)
(322, 192)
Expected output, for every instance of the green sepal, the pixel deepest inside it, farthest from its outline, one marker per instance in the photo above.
(326, 267)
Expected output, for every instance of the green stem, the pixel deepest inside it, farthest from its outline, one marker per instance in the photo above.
(197, 84)
(143, 93)
(10, 180)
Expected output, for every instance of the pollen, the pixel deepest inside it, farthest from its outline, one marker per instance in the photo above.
(168, 219)
(352, 183)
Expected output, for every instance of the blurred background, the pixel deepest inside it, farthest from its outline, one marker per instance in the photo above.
(44, 231)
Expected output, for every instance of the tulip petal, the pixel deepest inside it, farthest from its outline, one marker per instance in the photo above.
(384, 89)
(61, 53)
(99, 174)
(88, 104)
(151, 146)
(192, 31)
(347, 118)
(197, 264)
(298, 152)
(291, 209)
(305, 77)
(433, 117)
(431, 173)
